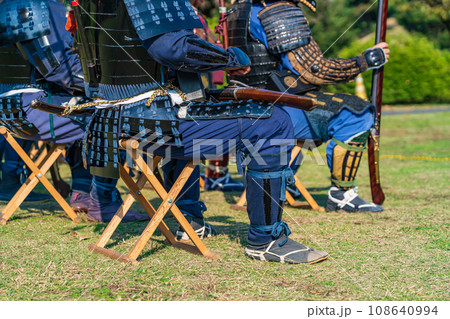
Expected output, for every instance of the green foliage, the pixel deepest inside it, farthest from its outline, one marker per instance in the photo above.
(417, 71)
(341, 22)
(430, 18)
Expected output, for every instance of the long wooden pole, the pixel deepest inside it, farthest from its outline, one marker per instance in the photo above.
(377, 94)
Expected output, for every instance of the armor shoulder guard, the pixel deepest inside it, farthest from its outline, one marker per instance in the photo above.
(22, 20)
(151, 18)
(285, 26)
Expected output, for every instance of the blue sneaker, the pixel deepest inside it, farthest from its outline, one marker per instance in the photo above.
(224, 184)
(203, 230)
(349, 201)
(289, 252)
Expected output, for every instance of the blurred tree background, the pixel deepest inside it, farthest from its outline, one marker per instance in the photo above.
(418, 34)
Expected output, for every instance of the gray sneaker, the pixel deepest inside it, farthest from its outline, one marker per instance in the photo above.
(203, 230)
(289, 252)
(349, 201)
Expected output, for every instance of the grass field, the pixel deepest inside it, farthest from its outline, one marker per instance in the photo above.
(400, 254)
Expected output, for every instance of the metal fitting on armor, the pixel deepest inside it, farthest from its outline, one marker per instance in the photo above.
(224, 110)
(375, 58)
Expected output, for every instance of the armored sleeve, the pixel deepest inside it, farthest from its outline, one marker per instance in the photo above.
(287, 33)
(310, 63)
(50, 51)
(185, 51)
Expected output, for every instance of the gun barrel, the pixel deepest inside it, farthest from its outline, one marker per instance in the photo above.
(279, 98)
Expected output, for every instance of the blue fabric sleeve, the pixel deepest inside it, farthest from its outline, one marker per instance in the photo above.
(256, 28)
(171, 50)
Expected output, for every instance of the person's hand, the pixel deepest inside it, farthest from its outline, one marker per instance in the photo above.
(385, 47)
(238, 71)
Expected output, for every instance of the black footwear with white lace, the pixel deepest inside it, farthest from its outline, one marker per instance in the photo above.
(203, 230)
(283, 249)
(349, 201)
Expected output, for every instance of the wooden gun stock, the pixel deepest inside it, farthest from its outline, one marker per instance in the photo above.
(59, 109)
(260, 95)
(374, 169)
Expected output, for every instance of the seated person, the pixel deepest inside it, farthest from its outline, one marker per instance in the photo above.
(159, 42)
(41, 65)
(217, 176)
(343, 120)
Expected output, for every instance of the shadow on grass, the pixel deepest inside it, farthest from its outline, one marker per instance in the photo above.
(30, 210)
(321, 199)
(233, 229)
(154, 249)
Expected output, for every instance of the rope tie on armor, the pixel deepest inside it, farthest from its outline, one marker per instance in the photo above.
(165, 91)
(276, 230)
(219, 29)
(157, 92)
(344, 184)
(286, 175)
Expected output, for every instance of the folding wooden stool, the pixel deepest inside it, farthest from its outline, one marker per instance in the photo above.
(43, 162)
(309, 204)
(149, 175)
(60, 185)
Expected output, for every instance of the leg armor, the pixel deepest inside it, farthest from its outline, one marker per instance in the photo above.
(81, 178)
(264, 203)
(268, 235)
(346, 159)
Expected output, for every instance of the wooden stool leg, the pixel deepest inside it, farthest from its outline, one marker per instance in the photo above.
(55, 152)
(28, 185)
(18, 199)
(202, 182)
(296, 204)
(240, 205)
(157, 216)
(308, 196)
(135, 193)
(42, 165)
(134, 189)
(25, 189)
(168, 201)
